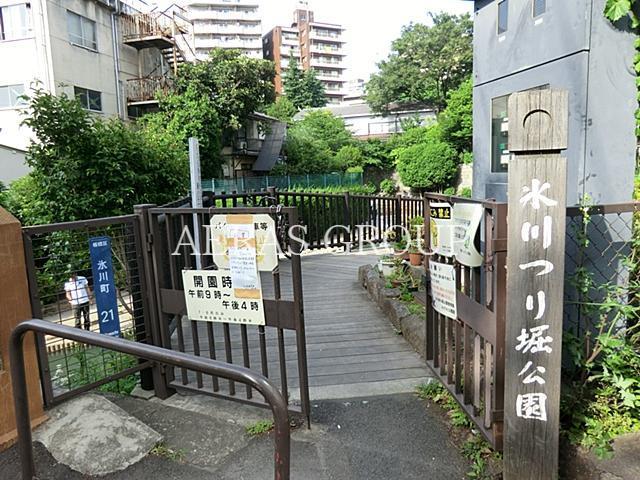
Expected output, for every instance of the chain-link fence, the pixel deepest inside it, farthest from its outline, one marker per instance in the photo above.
(63, 291)
(287, 182)
(599, 261)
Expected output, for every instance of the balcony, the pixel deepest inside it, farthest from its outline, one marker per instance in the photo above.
(248, 146)
(327, 50)
(329, 37)
(142, 91)
(144, 30)
(325, 62)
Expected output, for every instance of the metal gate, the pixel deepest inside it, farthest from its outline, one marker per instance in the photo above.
(55, 252)
(467, 354)
(277, 350)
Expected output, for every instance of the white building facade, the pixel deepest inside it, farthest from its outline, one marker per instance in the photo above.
(76, 47)
(230, 24)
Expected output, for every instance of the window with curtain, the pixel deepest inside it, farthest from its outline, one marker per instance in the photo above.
(82, 31)
(15, 21)
(10, 96)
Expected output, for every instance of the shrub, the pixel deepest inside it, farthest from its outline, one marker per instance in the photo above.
(428, 165)
(388, 187)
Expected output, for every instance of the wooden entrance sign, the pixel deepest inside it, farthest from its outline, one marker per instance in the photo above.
(535, 280)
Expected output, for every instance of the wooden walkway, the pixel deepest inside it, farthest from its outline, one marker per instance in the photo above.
(352, 348)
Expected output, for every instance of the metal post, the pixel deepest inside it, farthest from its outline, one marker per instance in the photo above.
(196, 194)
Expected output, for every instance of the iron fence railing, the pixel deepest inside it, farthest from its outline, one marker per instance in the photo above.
(148, 353)
(284, 182)
(56, 252)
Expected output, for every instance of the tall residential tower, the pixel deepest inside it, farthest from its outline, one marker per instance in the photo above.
(314, 45)
(232, 24)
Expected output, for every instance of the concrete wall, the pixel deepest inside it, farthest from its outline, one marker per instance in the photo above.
(574, 47)
(12, 165)
(14, 308)
(49, 58)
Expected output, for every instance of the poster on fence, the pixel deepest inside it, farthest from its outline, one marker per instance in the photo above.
(212, 296)
(440, 229)
(224, 235)
(443, 289)
(466, 218)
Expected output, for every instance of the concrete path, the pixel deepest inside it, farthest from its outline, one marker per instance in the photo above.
(352, 348)
(374, 438)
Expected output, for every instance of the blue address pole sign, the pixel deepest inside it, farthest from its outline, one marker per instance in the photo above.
(104, 285)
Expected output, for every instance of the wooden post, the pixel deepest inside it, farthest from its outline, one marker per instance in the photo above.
(15, 307)
(535, 283)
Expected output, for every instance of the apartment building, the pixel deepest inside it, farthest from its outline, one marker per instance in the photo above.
(107, 53)
(569, 44)
(314, 45)
(232, 24)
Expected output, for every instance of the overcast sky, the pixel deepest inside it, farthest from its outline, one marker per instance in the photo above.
(371, 24)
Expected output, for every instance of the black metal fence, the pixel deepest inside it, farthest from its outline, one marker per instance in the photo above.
(599, 249)
(54, 253)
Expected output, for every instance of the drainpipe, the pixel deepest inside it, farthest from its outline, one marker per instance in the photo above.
(116, 55)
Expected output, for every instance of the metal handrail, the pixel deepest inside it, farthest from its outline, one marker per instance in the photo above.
(149, 352)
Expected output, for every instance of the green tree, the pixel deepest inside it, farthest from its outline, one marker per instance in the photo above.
(430, 164)
(303, 88)
(85, 167)
(283, 109)
(313, 90)
(312, 143)
(456, 121)
(189, 114)
(237, 85)
(425, 63)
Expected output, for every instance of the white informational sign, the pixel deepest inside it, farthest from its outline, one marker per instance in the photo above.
(466, 218)
(223, 238)
(441, 229)
(212, 296)
(241, 241)
(443, 289)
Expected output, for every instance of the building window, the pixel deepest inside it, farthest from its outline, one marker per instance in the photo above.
(503, 16)
(499, 134)
(11, 96)
(539, 7)
(89, 99)
(82, 31)
(15, 21)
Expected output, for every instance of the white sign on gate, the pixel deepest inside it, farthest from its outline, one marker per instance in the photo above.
(443, 289)
(212, 296)
(224, 231)
(466, 218)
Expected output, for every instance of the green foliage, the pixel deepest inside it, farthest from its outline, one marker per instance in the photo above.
(465, 192)
(163, 450)
(303, 88)
(456, 121)
(189, 114)
(425, 63)
(237, 84)
(431, 164)
(85, 167)
(388, 187)
(23, 201)
(259, 428)
(601, 386)
(313, 142)
(283, 109)
(350, 156)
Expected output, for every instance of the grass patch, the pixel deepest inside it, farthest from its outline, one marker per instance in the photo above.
(482, 457)
(259, 428)
(163, 450)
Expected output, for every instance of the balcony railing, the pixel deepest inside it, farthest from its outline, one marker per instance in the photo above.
(248, 145)
(141, 90)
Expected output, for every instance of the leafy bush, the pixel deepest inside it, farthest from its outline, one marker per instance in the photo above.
(456, 121)
(430, 164)
(350, 156)
(388, 187)
(85, 167)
